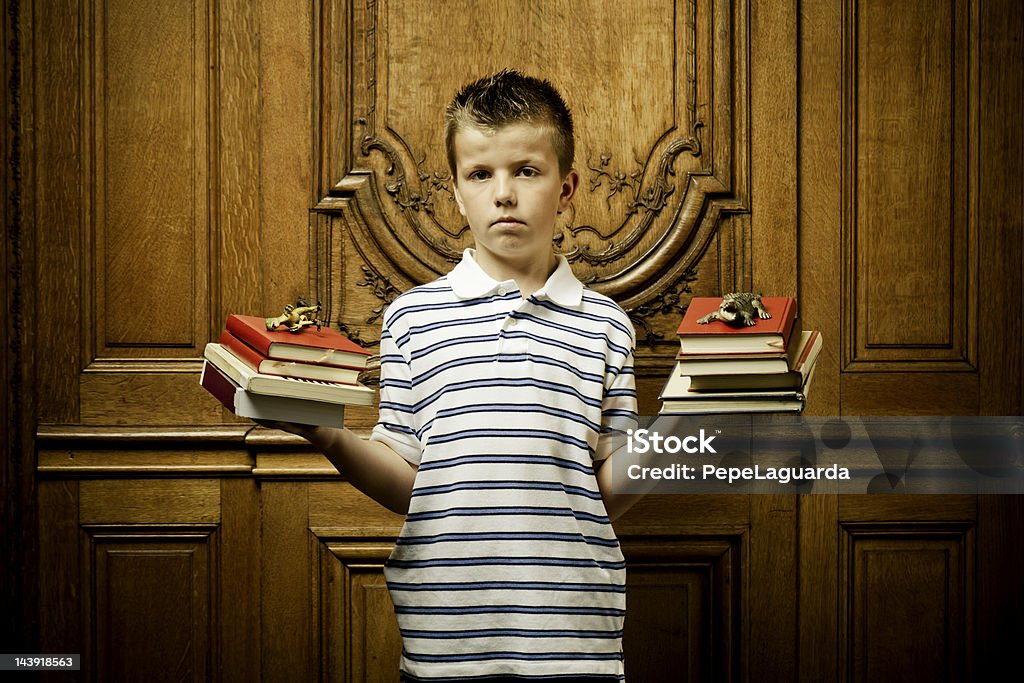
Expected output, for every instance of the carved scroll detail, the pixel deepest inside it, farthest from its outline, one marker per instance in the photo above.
(384, 291)
(414, 199)
(649, 203)
(666, 302)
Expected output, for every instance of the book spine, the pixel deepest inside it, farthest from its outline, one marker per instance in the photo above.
(248, 335)
(225, 361)
(218, 384)
(798, 366)
(242, 351)
(789, 321)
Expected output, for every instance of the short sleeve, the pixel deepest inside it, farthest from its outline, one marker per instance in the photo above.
(396, 423)
(618, 407)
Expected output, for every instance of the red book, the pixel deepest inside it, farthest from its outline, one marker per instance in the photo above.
(324, 346)
(218, 384)
(286, 368)
(769, 335)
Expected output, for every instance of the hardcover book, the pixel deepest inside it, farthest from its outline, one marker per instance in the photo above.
(325, 346)
(806, 354)
(274, 385)
(264, 407)
(772, 362)
(286, 368)
(677, 399)
(767, 335)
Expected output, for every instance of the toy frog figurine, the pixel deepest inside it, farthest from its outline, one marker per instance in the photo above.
(739, 309)
(296, 317)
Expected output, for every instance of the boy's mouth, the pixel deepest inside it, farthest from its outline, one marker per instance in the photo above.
(506, 220)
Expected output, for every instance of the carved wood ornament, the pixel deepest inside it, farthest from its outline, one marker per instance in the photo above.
(654, 88)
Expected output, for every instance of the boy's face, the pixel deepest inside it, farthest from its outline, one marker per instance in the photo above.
(509, 188)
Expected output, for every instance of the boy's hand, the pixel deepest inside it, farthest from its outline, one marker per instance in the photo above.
(307, 432)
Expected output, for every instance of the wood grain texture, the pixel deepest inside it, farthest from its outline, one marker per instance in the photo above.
(773, 157)
(356, 623)
(60, 609)
(149, 501)
(287, 630)
(817, 594)
(137, 397)
(907, 598)
(684, 618)
(820, 264)
(348, 512)
(774, 561)
(285, 142)
(910, 393)
(134, 575)
(236, 269)
(150, 96)
(909, 151)
(143, 462)
(237, 611)
(58, 203)
(1000, 204)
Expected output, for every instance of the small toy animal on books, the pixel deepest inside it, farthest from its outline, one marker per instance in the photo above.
(739, 309)
(296, 317)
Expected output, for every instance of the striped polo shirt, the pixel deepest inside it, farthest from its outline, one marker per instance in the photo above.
(507, 564)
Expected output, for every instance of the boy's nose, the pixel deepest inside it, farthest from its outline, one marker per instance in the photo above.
(503, 193)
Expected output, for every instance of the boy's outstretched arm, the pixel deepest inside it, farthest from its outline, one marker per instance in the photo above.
(371, 466)
(615, 504)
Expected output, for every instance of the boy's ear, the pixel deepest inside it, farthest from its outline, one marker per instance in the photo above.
(458, 198)
(569, 186)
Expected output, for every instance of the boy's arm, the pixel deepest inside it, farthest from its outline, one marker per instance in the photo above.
(371, 466)
(615, 504)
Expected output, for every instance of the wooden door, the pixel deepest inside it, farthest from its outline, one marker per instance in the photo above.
(910, 192)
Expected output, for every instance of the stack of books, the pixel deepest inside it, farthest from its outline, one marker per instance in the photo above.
(306, 377)
(763, 368)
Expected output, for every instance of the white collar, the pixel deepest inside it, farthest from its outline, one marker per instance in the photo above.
(469, 281)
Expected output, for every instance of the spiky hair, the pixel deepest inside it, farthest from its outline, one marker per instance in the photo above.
(509, 97)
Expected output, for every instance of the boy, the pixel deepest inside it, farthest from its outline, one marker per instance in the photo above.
(502, 385)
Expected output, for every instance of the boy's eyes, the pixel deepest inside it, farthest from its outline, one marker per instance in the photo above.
(526, 172)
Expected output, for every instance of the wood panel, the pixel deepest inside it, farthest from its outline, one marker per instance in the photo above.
(151, 595)
(147, 119)
(60, 611)
(54, 185)
(911, 175)
(1000, 218)
(357, 625)
(149, 501)
(908, 600)
(684, 619)
(168, 140)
